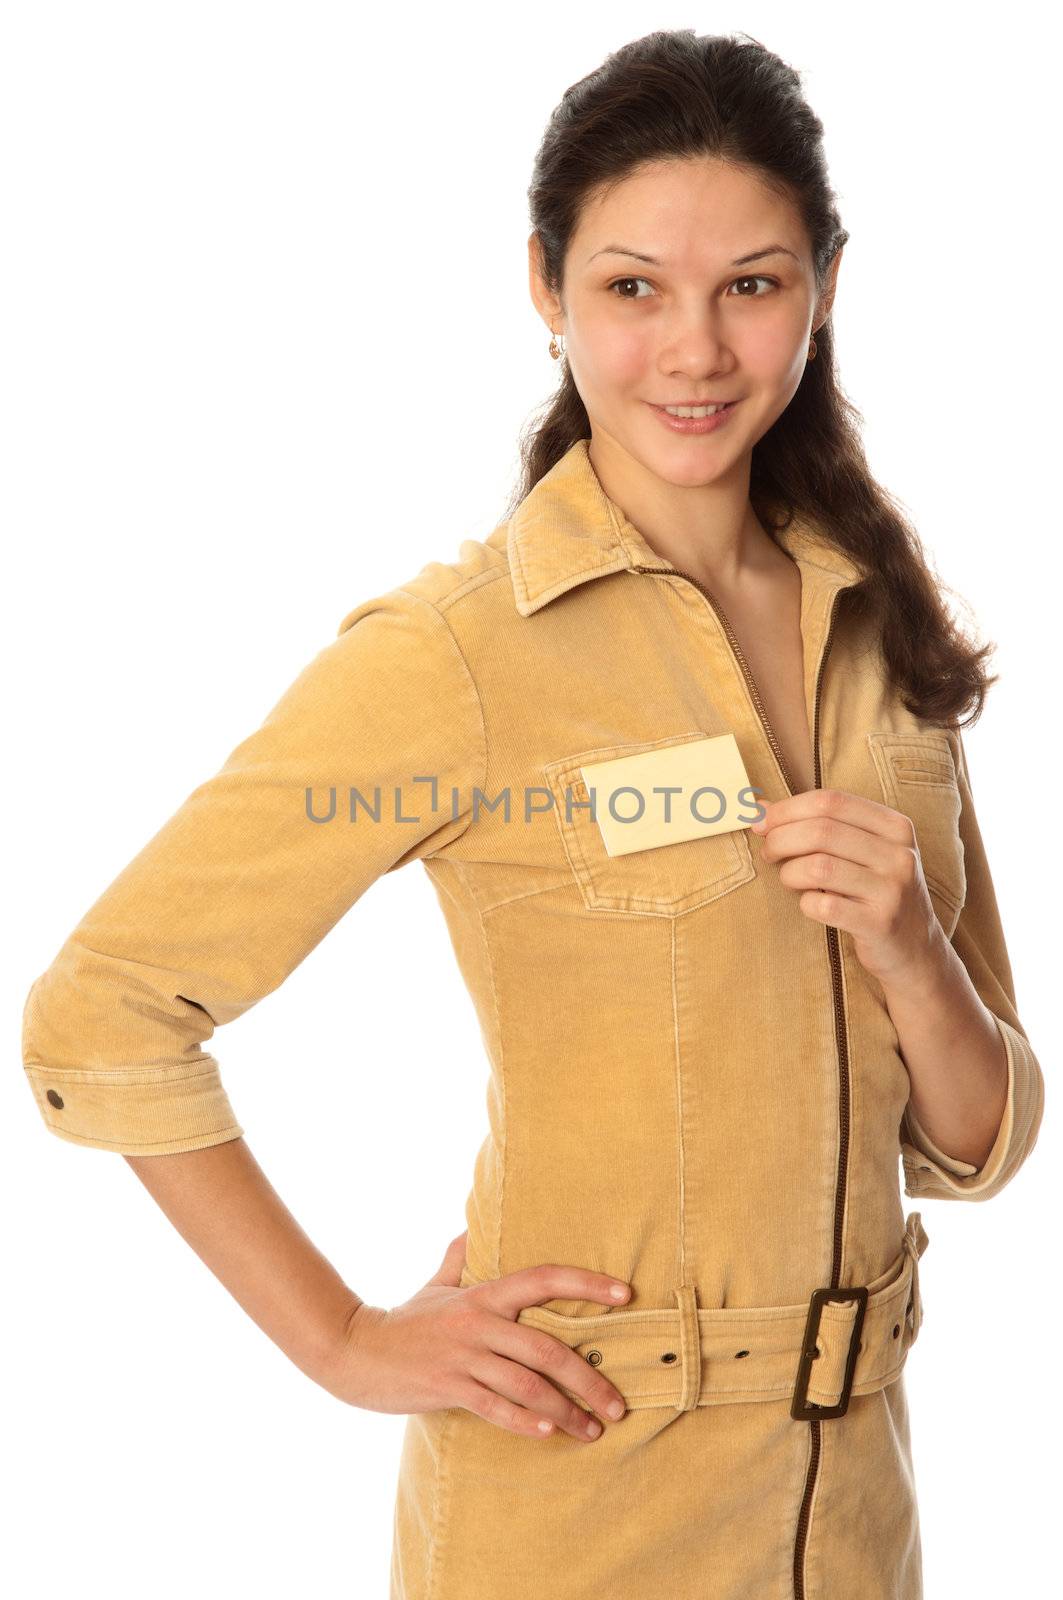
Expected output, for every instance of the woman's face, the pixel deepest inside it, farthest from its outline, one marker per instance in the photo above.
(722, 312)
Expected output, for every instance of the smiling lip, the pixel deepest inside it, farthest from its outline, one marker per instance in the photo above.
(708, 424)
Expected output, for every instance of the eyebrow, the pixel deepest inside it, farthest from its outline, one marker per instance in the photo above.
(740, 261)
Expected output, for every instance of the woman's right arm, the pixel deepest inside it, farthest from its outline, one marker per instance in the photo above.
(254, 868)
(215, 911)
(223, 1205)
(447, 1346)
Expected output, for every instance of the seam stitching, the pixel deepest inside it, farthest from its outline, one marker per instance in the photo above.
(479, 702)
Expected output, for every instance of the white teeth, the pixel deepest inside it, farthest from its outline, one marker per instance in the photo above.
(692, 411)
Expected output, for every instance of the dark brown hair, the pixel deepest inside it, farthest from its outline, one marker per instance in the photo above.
(675, 95)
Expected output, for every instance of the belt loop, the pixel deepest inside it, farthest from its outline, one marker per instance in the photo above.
(689, 1346)
(915, 1242)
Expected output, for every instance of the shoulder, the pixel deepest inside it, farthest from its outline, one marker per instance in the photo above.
(430, 640)
(441, 591)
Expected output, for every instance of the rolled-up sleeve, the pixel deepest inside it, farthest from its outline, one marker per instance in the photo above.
(370, 759)
(978, 939)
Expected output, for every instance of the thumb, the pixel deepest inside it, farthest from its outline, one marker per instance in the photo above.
(453, 1261)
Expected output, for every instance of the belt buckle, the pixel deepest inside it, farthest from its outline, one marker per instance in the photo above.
(801, 1408)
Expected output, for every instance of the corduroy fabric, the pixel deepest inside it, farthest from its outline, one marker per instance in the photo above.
(682, 1091)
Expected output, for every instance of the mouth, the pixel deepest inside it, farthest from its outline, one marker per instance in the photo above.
(696, 408)
(695, 418)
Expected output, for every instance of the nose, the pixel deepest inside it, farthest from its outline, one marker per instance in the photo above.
(696, 345)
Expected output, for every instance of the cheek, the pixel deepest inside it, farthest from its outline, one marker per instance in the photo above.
(614, 353)
(770, 348)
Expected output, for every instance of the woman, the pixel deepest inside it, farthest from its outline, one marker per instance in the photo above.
(679, 746)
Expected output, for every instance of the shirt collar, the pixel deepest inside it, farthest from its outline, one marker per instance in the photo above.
(567, 530)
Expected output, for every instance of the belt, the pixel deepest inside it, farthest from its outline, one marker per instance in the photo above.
(845, 1341)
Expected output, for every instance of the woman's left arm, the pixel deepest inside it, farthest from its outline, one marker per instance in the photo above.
(977, 1088)
(956, 1056)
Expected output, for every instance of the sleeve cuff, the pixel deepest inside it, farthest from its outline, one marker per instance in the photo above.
(137, 1111)
(928, 1171)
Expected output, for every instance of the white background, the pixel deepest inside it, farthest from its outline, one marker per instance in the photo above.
(267, 349)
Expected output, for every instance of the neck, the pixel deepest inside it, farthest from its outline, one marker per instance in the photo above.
(707, 530)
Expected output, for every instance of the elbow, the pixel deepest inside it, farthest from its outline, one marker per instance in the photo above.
(930, 1174)
(104, 1075)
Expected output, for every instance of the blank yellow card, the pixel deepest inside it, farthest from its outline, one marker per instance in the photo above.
(707, 792)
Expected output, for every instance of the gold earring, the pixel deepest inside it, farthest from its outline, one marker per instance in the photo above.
(812, 349)
(556, 350)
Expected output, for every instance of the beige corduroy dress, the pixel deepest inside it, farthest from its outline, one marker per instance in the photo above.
(692, 1086)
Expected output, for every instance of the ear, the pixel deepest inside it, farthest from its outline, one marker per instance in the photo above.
(547, 304)
(826, 299)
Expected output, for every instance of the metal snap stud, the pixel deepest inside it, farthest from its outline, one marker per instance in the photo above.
(669, 1355)
(594, 1357)
(740, 1353)
(54, 1099)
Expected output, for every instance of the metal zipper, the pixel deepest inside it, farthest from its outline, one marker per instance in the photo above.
(844, 1105)
(754, 692)
(840, 1029)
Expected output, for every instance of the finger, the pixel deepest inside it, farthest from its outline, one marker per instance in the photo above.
(834, 837)
(833, 875)
(507, 1414)
(837, 803)
(454, 1259)
(534, 1393)
(539, 1351)
(531, 1286)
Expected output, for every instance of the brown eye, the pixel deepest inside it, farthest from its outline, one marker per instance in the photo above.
(618, 281)
(755, 279)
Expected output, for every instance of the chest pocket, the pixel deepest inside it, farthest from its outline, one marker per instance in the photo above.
(918, 777)
(665, 880)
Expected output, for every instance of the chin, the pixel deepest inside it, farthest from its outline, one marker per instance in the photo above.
(687, 463)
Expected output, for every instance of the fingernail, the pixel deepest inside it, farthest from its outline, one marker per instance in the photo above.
(615, 1409)
(618, 1291)
(593, 1429)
